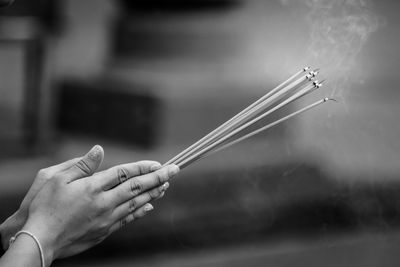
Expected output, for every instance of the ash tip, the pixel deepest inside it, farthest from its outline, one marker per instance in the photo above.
(319, 84)
(330, 99)
(306, 68)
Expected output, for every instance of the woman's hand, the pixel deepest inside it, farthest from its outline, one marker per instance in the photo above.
(76, 210)
(15, 222)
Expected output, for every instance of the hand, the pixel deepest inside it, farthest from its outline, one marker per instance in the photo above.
(76, 211)
(15, 222)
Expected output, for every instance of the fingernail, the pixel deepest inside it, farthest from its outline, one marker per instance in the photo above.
(173, 170)
(155, 167)
(165, 186)
(148, 207)
(95, 153)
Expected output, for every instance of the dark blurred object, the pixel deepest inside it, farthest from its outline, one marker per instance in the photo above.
(46, 12)
(133, 41)
(4, 3)
(106, 109)
(133, 38)
(177, 6)
(24, 27)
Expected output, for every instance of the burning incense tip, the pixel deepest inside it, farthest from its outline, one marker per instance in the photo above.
(318, 84)
(328, 98)
(310, 76)
(306, 68)
(314, 72)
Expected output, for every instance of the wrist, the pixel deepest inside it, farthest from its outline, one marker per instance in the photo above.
(24, 250)
(45, 237)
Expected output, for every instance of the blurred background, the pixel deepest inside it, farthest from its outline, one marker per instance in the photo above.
(147, 78)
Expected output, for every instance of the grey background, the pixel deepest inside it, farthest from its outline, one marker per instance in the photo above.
(320, 190)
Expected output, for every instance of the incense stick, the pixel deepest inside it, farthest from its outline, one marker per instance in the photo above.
(247, 114)
(290, 90)
(264, 128)
(234, 132)
(239, 114)
(237, 126)
(244, 117)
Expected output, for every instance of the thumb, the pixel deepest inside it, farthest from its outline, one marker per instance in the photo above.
(87, 165)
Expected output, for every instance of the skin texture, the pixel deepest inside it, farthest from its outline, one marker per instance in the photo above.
(70, 208)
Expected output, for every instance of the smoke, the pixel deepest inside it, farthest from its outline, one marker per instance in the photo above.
(338, 32)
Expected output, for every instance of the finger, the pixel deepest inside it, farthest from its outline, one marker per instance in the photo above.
(137, 214)
(117, 175)
(161, 196)
(136, 185)
(135, 203)
(86, 166)
(64, 165)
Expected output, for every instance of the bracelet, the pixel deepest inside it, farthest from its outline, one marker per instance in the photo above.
(12, 240)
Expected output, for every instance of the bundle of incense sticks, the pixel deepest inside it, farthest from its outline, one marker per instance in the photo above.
(234, 130)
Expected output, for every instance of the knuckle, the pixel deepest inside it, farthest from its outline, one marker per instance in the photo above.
(83, 166)
(91, 187)
(159, 176)
(101, 206)
(143, 166)
(154, 193)
(44, 174)
(132, 205)
(123, 222)
(135, 186)
(128, 219)
(162, 188)
(143, 169)
(140, 168)
(122, 174)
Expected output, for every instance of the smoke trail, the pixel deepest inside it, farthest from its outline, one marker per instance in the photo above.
(338, 32)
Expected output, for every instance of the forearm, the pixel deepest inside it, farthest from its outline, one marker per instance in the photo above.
(23, 253)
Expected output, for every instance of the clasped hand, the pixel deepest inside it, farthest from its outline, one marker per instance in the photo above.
(71, 208)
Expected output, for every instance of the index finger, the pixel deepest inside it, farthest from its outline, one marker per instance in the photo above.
(139, 184)
(118, 174)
